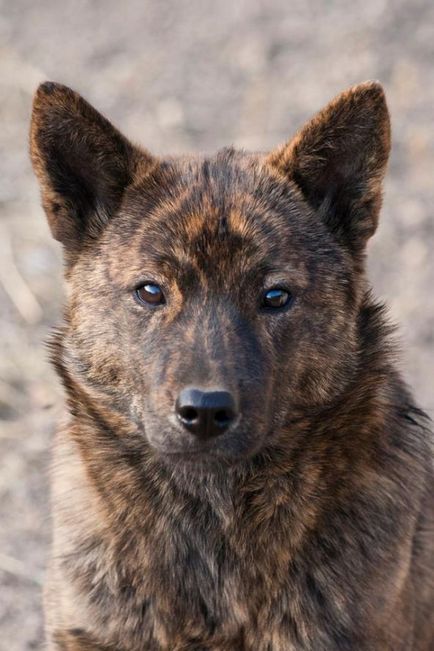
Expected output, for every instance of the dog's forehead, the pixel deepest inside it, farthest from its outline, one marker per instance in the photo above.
(221, 215)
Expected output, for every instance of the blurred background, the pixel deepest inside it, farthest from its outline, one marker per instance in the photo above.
(190, 75)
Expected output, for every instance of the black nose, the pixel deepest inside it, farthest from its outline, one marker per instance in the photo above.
(205, 413)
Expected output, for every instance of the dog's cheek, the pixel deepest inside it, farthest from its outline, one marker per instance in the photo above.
(325, 362)
(98, 335)
(314, 356)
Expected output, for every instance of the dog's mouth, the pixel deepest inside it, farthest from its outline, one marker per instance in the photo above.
(228, 449)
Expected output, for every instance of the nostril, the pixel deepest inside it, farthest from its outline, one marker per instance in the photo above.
(188, 414)
(222, 418)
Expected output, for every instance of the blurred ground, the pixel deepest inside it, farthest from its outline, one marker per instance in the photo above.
(190, 75)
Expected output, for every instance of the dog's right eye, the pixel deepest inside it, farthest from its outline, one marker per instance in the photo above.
(276, 298)
(149, 294)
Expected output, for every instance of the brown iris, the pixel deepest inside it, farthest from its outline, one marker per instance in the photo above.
(150, 294)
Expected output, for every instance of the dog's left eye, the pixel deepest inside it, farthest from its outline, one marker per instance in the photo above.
(275, 298)
(150, 294)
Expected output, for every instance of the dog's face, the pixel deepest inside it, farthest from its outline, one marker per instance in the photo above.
(224, 282)
(212, 300)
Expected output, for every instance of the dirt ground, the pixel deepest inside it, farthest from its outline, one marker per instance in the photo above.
(190, 75)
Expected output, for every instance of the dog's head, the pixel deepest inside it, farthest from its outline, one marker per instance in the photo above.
(212, 299)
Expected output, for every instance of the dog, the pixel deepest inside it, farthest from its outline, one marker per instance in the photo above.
(242, 468)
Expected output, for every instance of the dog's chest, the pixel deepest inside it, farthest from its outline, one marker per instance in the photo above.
(188, 573)
(186, 591)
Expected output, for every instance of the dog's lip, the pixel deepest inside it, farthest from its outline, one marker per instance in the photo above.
(184, 453)
(209, 458)
(212, 449)
(231, 445)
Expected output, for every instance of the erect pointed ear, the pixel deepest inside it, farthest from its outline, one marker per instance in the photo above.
(338, 160)
(82, 162)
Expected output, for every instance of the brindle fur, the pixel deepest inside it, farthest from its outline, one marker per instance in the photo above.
(308, 526)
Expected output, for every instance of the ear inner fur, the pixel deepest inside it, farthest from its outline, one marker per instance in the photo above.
(82, 162)
(338, 160)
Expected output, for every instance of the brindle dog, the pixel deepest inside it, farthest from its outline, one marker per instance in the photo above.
(243, 468)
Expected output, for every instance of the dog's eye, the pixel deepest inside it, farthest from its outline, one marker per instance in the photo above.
(150, 294)
(275, 298)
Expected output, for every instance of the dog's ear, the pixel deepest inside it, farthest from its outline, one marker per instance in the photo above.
(82, 162)
(338, 161)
